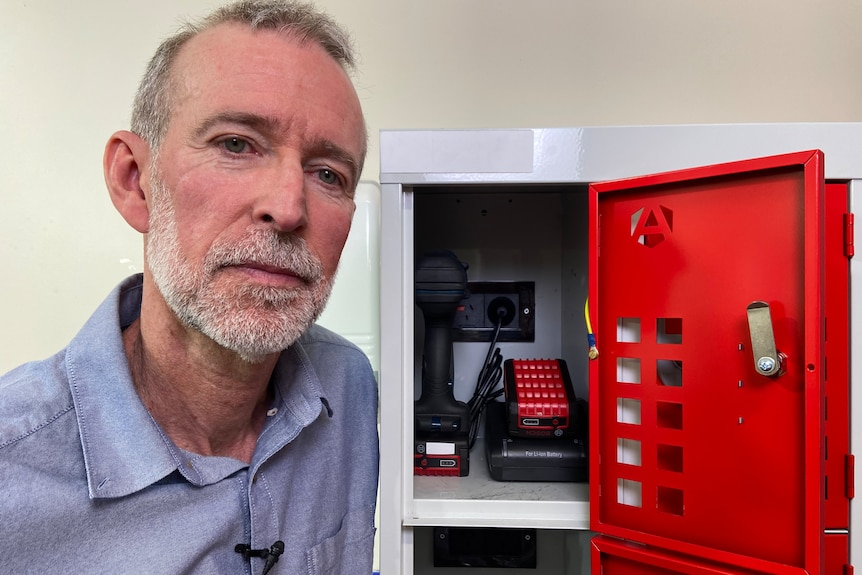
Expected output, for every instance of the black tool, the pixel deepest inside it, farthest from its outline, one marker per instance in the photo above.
(440, 284)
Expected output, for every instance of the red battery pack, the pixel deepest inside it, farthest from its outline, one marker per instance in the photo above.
(539, 398)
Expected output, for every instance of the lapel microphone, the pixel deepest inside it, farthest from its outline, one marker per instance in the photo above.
(270, 555)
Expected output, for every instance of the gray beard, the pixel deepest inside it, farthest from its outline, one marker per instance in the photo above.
(253, 321)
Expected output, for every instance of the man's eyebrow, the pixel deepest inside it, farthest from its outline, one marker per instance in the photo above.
(264, 124)
(271, 126)
(329, 149)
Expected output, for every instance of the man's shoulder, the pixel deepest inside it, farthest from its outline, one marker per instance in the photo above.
(36, 394)
(32, 396)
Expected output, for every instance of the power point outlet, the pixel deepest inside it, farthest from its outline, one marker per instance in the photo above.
(501, 309)
(511, 303)
(471, 312)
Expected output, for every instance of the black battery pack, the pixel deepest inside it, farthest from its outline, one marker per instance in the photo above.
(534, 458)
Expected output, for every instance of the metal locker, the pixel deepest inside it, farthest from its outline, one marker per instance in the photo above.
(707, 400)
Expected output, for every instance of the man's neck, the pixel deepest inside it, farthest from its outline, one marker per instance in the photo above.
(206, 399)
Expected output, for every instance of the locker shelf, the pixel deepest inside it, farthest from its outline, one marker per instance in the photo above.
(479, 501)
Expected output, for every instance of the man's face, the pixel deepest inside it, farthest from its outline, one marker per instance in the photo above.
(251, 194)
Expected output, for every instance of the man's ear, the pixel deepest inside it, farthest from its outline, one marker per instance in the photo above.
(126, 163)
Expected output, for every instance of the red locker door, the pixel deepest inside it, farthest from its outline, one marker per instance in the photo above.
(617, 557)
(707, 397)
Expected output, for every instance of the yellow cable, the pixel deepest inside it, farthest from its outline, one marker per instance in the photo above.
(591, 339)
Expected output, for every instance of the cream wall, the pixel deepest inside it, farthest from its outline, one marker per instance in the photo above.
(68, 71)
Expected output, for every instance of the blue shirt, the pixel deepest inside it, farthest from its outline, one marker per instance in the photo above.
(89, 483)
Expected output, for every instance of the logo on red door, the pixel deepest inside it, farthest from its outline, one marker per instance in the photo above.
(651, 226)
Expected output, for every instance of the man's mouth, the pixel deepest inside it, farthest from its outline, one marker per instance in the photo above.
(269, 274)
(269, 260)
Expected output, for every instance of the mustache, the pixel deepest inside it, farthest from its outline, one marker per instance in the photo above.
(267, 248)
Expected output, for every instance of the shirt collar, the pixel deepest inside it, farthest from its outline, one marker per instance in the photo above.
(299, 401)
(124, 449)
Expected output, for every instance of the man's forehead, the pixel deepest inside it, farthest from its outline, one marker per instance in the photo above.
(233, 49)
(235, 39)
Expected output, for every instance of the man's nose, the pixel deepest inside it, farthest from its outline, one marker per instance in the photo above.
(281, 201)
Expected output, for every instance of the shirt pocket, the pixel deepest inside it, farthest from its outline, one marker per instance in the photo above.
(348, 552)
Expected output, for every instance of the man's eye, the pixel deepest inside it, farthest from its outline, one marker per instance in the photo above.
(235, 145)
(327, 176)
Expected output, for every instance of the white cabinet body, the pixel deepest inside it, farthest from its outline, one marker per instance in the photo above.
(513, 205)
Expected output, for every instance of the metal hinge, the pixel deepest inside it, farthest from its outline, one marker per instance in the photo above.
(850, 475)
(849, 242)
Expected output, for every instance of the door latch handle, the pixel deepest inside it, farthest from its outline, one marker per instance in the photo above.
(768, 361)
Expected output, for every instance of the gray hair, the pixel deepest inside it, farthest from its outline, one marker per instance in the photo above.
(153, 101)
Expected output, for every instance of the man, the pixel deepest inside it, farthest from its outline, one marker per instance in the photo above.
(200, 422)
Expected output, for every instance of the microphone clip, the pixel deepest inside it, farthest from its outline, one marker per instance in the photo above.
(270, 555)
